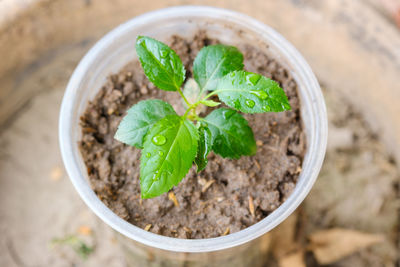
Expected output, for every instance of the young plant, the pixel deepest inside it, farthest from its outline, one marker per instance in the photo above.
(171, 143)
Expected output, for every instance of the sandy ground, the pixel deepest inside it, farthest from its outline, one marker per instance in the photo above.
(356, 189)
(39, 203)
(43, 222)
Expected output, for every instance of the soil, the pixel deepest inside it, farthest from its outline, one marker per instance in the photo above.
(229, 195)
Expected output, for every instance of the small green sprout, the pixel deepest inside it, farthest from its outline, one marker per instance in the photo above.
(171, 143)
(78, 245)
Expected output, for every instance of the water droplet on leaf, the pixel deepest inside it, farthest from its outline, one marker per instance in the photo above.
(226, 114)
(173, 63)
(148, 155)
(237, 104)
(250, 103)
(159, 140)
(260, 94)
(266, 108)
(252, 78)
(155, 176)
(286, 106)
(163, 53)
(160, 153)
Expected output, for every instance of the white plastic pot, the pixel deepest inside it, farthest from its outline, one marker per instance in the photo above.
(116, 49)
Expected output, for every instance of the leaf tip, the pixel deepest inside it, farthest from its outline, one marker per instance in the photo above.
(287, 106)
(139, 38)
(200, 167)
(118, 137)
(144, 195)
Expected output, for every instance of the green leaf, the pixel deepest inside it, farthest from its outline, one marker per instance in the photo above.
(214, 62)
(169, 150)
(210, 103)
(252, 93)
(160, 63)
(231, 135)
(139, 119)
(204, 147)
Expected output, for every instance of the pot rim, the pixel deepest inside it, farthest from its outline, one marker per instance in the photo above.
(303, 186)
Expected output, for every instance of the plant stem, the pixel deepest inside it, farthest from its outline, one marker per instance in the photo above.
(187, 111)
(194, 117)
(192, 108)
(197, 118)
(184, 98)
(210, 95)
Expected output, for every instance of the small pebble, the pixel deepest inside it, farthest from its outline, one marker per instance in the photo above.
(110, 111)
(220, 199)
(128, 88)
(144, 90)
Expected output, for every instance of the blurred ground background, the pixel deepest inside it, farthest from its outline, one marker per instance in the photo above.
(352, 216)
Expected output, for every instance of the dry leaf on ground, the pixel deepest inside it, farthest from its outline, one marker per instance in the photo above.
(332, 245)
(292, 260)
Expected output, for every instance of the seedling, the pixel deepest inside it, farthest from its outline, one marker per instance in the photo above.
(171, 143)
(78, 245)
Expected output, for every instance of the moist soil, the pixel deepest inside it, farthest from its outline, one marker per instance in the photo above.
(226, 197)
